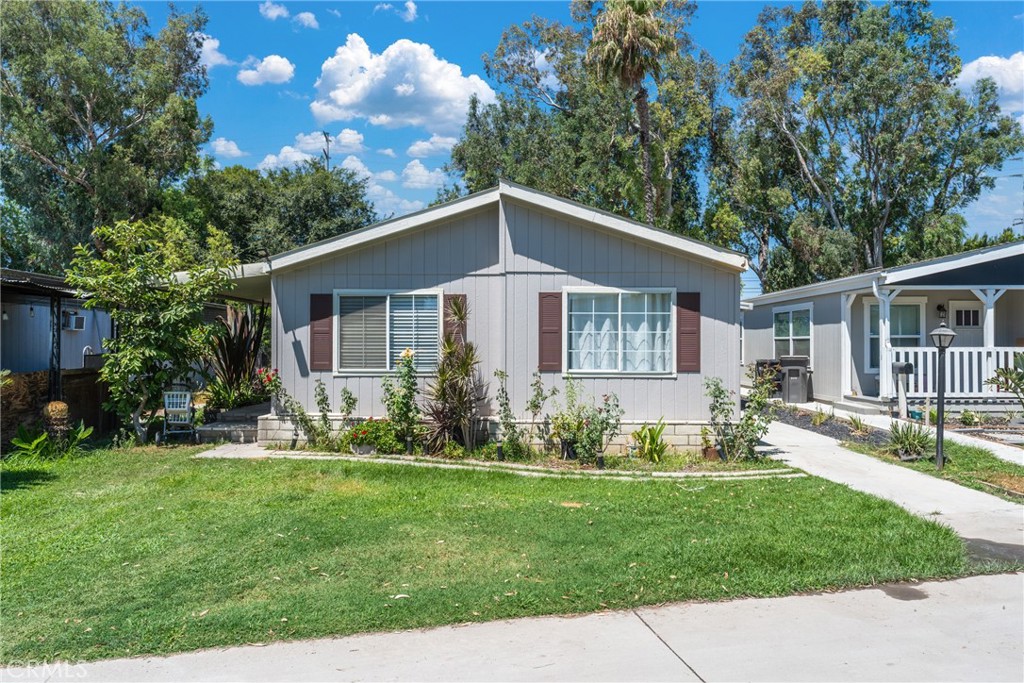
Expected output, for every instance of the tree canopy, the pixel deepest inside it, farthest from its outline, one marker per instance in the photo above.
(98, 116)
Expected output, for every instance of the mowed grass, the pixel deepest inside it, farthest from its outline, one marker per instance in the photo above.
(976, 468)
(150, 551)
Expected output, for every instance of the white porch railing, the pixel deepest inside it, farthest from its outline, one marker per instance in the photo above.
(967, 369)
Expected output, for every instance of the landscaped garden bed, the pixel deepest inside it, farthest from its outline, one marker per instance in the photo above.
(147, 551)
(969, 466)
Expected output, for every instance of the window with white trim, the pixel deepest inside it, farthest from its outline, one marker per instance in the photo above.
(618, 331)
(374, 329)
(793, 331)
(965, 314)
(906, 323)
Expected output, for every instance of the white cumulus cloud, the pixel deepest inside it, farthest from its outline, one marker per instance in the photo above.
(416, 176)
(334, 12)
(288, 156)
(410, 12)
(345, 142)
(223, 147)
(271, 11)
(405, 85)
(388, 152)
(210, 54)
(437, 144)
(1007, 72)
(270, 69)
(387, 202)
(306, 19)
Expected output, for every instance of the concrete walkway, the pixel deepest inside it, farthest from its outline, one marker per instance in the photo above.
(991, 526)
(965, 630)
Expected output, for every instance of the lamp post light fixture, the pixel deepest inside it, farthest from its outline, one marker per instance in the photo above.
(942, 338)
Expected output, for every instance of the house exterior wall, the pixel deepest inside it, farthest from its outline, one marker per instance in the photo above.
(501, 257)
(26, 337)
(827, 333)
(826, 336)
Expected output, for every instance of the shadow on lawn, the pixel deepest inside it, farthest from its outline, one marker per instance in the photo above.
(12, 480)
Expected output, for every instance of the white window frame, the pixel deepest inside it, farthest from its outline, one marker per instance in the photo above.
(336, 326)
(920, 301)
(966, 305)
(791, 308)
(673, 332)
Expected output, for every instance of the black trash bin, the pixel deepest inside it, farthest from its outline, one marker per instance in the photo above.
(796, 374)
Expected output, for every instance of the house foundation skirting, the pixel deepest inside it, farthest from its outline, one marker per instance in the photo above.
(282, 429)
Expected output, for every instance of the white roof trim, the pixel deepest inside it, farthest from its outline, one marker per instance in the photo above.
(373, 233)
(893, 276)
(632, 229)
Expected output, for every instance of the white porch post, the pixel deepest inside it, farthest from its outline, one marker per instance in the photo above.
(988, 298)
(846, 347)
(885, 385)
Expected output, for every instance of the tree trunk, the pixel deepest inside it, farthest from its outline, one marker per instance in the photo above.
(644, 114)
(140, 429)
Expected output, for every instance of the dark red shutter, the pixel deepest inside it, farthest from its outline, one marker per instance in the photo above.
(457, 330)
(688, 332)
(321, 332)
(550, 349)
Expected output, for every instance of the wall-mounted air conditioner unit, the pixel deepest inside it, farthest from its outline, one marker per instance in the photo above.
(71, 321)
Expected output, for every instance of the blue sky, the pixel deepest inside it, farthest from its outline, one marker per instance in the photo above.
(394, 77)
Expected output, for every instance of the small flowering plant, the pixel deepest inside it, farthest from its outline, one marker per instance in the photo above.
(270, 380)
(362, 434)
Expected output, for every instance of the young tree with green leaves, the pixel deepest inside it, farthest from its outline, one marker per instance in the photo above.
(98, 115)
(161, 337)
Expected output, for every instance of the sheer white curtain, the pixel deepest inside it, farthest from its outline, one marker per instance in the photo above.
(646, 334)
(593, 332)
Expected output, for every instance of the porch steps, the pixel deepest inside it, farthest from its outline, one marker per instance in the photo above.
(234, 426)
(853, 404)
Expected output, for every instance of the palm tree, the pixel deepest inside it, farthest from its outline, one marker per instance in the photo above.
(628, 42)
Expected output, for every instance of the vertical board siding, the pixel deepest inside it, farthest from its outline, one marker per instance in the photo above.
(502, 258)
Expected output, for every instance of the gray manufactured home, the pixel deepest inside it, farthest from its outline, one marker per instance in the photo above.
(551, 285)
(854, 328)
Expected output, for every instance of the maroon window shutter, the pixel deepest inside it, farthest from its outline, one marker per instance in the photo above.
(550, 355)
(321, 332)
(688, 332)
(456, 330)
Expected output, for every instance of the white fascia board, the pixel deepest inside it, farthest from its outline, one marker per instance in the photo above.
(953, 262)
(660, 238)
(845, 284)
(384, 230)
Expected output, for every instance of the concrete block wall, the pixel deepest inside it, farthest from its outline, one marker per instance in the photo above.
(682, 435)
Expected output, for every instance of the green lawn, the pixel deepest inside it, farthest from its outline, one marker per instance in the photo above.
(968, 466)
(150, 551)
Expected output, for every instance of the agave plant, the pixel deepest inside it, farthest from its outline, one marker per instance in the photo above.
(238, 347)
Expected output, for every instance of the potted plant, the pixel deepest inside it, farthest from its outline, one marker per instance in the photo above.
(360, 440)
(566, 428)
(708, 448)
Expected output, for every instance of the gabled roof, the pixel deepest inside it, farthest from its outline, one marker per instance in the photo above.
(519, 193)
(898, 274)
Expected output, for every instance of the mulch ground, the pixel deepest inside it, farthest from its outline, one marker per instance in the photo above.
(835, 427)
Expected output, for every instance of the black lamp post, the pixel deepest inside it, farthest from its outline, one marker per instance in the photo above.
(942, 338)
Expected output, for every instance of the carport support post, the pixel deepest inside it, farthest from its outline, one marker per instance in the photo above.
(56, 391)
(988, 298)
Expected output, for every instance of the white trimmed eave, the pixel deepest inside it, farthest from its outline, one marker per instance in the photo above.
(373, 233)
(845, 284)
(912, 271)
(614, 224)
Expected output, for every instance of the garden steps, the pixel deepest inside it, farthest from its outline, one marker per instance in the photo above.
(234, 426)
(250, 451)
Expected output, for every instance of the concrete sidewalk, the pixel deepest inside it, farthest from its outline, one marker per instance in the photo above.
(965, 630)
(991, 526)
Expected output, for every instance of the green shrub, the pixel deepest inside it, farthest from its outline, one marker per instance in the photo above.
(909, 441)
(400, 397)
(512, 443)
(820, 417)
(650, 445)
(454, 450)
(969, 418)
(381, 434)
(34, 446)
(857, 424)
(739, 438)
(584, 425)
(1011, 379)
(454, 396)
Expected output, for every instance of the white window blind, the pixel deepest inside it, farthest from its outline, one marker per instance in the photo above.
(374, 330)
(362, 332)
(414, 325)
